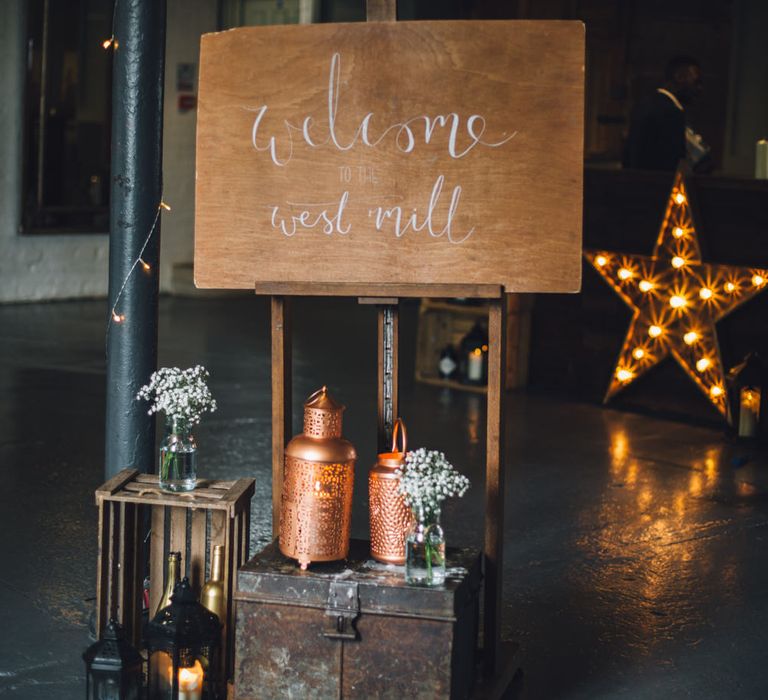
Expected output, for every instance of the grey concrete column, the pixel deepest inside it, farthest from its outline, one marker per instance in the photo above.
(136, 187)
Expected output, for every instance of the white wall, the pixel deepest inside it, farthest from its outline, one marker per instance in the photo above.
(34, 267)
(64, 266)
(187, 20)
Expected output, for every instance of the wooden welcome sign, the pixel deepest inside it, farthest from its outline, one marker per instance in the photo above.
(384, 153)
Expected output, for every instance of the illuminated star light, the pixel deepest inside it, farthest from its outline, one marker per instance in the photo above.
(675, 313)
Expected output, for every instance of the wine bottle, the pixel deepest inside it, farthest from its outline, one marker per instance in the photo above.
(172, 577)
(212, 595)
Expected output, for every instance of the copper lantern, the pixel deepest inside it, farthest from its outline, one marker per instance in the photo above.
(318, 475)
(390, 516)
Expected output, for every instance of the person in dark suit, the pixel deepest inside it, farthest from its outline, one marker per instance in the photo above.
(658, 136)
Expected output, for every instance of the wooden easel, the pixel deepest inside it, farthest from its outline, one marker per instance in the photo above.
(229, 244)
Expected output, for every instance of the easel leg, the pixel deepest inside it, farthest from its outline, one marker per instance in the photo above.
(282, 410)
(494, 481)
(381, 10)
(388, 408)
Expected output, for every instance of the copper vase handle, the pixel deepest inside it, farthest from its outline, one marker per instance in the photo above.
(321, 390)
(399, 427)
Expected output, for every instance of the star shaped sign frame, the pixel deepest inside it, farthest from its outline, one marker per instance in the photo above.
(676, 300)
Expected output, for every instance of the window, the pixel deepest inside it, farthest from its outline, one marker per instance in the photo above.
(67, 117)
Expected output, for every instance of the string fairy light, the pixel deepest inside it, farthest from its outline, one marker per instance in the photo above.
(676, 302)
(115, 316)
(112, 41)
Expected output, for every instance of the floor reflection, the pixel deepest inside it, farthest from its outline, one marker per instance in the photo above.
(647, 561)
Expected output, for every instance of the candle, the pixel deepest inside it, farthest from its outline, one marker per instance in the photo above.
(761, 160)
(191, 682)
(475, 365)
(749, 411)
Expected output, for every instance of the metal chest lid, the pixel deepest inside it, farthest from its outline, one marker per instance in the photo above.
(269, 577)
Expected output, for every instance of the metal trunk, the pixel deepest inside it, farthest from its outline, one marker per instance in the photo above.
(354, 629)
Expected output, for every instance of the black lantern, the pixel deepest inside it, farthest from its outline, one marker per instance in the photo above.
(473, 358)
(113, 668)
(746, 383)
(183, 642)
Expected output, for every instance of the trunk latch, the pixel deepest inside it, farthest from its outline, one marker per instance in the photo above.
(343, 609)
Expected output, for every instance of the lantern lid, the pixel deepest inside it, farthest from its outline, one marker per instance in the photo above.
(322, 416)
(321, 400)
(113, 650)
(184, 623)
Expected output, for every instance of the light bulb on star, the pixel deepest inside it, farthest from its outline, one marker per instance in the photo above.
(690, 337)
(645, 286)
(677, 302)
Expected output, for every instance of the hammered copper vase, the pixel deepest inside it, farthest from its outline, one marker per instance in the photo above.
(318, 476)
(390, 517)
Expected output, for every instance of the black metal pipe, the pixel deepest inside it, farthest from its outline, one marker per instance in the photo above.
(136, 189)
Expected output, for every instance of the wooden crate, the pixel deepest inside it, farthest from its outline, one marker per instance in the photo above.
(446, 322)
(216, 512)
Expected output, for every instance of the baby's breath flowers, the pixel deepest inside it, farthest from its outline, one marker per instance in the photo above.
(427, 478)
(183, 395)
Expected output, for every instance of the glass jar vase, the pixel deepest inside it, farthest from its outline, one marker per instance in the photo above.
(425, 549)
(178, 457)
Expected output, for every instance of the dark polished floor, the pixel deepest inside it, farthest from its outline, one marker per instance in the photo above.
(636, 549)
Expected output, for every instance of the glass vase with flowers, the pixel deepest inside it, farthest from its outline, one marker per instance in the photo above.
(426, 479)
(183, 396)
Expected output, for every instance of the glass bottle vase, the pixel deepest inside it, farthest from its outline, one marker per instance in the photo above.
(178, 457)
(425, 549)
